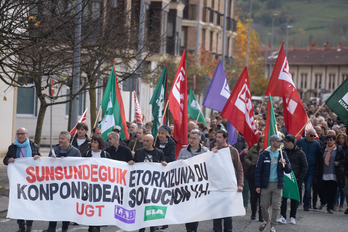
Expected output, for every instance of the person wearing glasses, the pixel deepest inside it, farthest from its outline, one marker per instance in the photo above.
(310, 147)
(21, 148)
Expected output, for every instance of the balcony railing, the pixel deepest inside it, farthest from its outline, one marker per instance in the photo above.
(190, 12)
(218, 18)
(208, 15)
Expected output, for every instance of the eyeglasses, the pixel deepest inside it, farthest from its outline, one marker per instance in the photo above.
(193, 138)
(313, 136)
(18, 134)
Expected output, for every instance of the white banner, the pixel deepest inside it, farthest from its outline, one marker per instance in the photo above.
(93, 191)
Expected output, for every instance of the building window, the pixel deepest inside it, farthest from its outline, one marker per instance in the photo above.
(81, 102)
(332, 81)
(304, 80)
(344, 76)
(26, 97)
(317, 83)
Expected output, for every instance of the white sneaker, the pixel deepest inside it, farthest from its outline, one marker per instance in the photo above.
(282, 220)
(292, 221)
(272, 229)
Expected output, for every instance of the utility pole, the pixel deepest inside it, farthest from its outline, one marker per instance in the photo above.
(249, 26)
(76, 76)
(224, 35)
(271, 54)
(198, 25)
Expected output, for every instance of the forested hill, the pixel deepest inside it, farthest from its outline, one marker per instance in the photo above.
(311, 20)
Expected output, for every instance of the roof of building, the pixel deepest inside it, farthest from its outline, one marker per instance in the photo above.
(313, 55)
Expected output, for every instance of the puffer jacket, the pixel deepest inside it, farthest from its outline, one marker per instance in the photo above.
(298, 162)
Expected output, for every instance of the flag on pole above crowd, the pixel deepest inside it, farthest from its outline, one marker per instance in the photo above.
(271, 123)
(282, 85)
(158, 101)
(138, 113)
(338, 102)
(178, 105)
(216, 98)
(194, 109)
(112, 106)
(239, 109)
(82, 119)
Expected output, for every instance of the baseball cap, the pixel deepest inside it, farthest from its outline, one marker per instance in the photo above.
(274, 138)
(116, 128)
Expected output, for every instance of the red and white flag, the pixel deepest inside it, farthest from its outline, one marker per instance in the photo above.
(178, 105)
(282, 85)
(238, 110)
(138, 113)
(82, 119)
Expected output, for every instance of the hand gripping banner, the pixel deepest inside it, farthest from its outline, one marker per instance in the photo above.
(93, 191)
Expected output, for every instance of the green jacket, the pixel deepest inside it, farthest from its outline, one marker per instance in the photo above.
(252, 156)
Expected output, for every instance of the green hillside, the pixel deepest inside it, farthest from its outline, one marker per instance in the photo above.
(312, 20)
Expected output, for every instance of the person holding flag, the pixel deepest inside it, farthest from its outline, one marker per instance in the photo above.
(269, 176)
(299, 166)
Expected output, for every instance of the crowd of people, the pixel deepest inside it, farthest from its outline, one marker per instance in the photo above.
(318, 160)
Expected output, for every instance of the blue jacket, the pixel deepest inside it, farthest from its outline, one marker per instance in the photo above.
(263, 169)
(311, 150)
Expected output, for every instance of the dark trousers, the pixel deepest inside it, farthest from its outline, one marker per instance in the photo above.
(152, 229)
(90, 228)
(191, 227)
(254, 196)
(308, 180)
(21, 223)
(53, 225)
(293, 207)
(315, 193)
(217, 223)
(327, 193)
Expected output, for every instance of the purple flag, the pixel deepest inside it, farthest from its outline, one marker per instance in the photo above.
(217, 96)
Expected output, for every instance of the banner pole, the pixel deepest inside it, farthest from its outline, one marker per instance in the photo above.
(165, 110)
(200, 111)
(310, 119)
(96, 119)
(146, 112)
(281, 152)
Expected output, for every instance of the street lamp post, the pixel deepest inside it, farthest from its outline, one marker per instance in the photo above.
(287, 37)
(271, 54)
(247, 52)
(266, 45)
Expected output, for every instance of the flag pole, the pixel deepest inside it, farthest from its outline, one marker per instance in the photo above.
(310, 119)
(281, 152)
(146, 112)
(200, 111)
(258, 115)
(73, 137)
(165, 110)
(96, 119)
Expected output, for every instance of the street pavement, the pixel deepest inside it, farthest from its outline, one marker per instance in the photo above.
(314, 220)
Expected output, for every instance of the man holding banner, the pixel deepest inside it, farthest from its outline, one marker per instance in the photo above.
(221, 142)
(21, 148)
(299, 166)
(269, 177)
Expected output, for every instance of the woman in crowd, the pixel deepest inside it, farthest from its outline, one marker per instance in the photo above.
(342, 141)
(96, 151)
(250, 161)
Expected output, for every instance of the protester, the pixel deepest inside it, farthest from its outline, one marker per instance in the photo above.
(22, 147)
(203, 128)
(240, 144)
(61, 150)
(250, 161)
(138, 143)
(340, 193)
(242, 155)
(194, 148)
(166, 144)
(97, 133)
(329, 172)
(299, 165)
(96, 151)
(310, 147)
(269, 177)
(81, 141)
(116, 150)
(221, 142)
(148, 154)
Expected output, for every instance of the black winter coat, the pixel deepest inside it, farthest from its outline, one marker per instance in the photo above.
(12, 151)
(83, 148)
(298, 162)
(168, 150)
(140, 154)
(319, 166)
(103, 154)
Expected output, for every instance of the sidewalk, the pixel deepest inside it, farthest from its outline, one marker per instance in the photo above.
(4, 184)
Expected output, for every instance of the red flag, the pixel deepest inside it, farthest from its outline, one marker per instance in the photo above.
(238, 110)
(138, 113)
(282, 85)
(178, 105)
(82, 119)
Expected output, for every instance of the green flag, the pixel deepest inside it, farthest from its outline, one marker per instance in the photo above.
(194, 109)
(112, 106)
(290, 189)
(271, 123)
(338, 102)
(157, 102)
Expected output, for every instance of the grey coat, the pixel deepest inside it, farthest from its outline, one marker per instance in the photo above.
(186, 152)
(71, 151)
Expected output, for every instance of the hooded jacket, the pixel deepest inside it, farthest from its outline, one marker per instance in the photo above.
(298, 162)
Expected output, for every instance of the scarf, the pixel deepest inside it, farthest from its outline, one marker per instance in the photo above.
(328, 153)
(19, 145)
